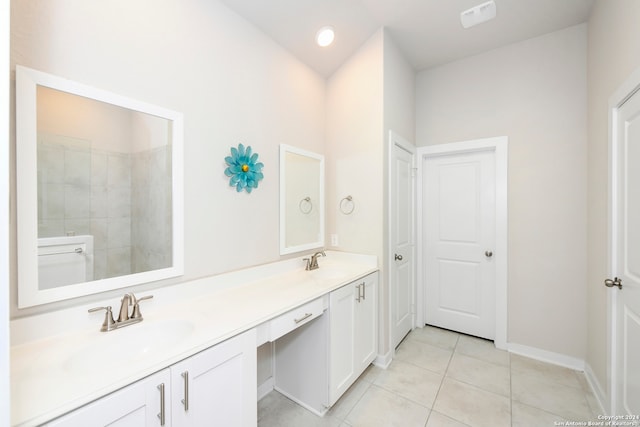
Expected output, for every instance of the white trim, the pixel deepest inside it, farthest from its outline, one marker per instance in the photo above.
(547, 356)
(266, 388)
(597, 389)
(396, 140)
(384, 360)
(627, 89)
(500, 146)
(5, 77)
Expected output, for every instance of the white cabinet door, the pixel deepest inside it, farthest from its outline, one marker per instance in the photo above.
(133, 406)
(352, 333)
(342, 306)
(217, 387)
(366, 331)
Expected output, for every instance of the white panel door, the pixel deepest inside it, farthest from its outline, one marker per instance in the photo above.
(626, 264)
(459, 233)
(401, 233)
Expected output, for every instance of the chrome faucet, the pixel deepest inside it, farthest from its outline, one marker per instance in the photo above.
(124, 319)
(312, 263)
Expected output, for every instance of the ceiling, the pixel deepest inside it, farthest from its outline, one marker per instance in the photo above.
(427, 31)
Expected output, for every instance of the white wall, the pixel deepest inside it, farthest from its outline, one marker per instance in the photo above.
(400, 116)
(614, 43)
(233, 84)
(535, 93)
(5, 401)
(354, 152)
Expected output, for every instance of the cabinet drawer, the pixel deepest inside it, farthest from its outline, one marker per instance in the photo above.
(290, 320)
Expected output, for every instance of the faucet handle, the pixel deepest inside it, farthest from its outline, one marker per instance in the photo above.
(136, 308)
(108, 323)
(308, 266)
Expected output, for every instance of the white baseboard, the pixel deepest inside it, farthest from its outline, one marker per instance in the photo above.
(383, 361)
(597, 389)
(265, 388)
(547, 356)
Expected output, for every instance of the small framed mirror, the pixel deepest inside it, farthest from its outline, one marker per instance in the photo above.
(301, 200)
(99, 190)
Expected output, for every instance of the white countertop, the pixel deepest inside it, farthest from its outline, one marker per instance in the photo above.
(61, 361)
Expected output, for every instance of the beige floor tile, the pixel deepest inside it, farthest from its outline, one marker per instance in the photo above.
(424, 355)
(485, 375)
(539, 391)
(436, 419)
(381, 408)
(411, 382)
(435, 336)
(546, 371)
(473, 406)
(370, 374)
(275, 410)
(482, 349)
(345, 404)
(527, 416)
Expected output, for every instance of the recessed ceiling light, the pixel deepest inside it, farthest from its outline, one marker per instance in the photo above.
(325, 36)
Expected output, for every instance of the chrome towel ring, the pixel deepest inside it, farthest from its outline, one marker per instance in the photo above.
(305, 205)
(347, 205)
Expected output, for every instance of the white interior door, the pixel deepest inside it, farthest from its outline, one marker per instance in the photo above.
(626, 257)
(459, 209)
(402, 237)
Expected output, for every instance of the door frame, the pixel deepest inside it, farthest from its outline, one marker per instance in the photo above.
(625, 91)
(499, 145)
(396, 140)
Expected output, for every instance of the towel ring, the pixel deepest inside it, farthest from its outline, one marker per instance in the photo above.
(347, 205)
(303, 205)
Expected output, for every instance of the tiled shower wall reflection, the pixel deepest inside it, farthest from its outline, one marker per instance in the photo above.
(113, 196)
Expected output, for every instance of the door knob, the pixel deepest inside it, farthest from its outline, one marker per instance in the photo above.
(398, 257)
(488, 254)
(615, 282)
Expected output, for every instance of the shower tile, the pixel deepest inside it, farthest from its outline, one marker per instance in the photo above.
(77, 167)
(98, 168)
(118, 232)
(118, 261)
(99, 202)
(77, 202)
(119, 202)
(119, 170)
(51, 201)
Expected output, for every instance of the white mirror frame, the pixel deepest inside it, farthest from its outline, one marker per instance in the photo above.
(284, 249)
(29, 293)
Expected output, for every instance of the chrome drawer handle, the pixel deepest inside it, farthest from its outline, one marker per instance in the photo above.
(161, 414)
(306, 316)
(185, 401)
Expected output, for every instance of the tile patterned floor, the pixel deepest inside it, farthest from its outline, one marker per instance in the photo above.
(441, 378)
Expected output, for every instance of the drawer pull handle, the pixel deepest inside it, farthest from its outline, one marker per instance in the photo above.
(306, 316)
(161, 414)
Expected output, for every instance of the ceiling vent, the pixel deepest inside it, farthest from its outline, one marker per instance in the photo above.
(478, 14)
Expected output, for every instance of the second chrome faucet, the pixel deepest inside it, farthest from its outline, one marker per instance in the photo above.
(124, 318)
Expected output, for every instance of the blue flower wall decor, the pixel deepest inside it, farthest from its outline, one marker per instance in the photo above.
(243, 169)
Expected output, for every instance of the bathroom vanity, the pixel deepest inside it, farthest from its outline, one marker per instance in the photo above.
(192, 361)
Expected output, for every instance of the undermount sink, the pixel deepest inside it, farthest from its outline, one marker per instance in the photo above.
(128, 345)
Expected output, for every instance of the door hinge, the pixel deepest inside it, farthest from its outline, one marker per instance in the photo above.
(413, 172)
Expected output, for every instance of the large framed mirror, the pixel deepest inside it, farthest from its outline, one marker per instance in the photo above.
(301, 200)
(99, 190)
